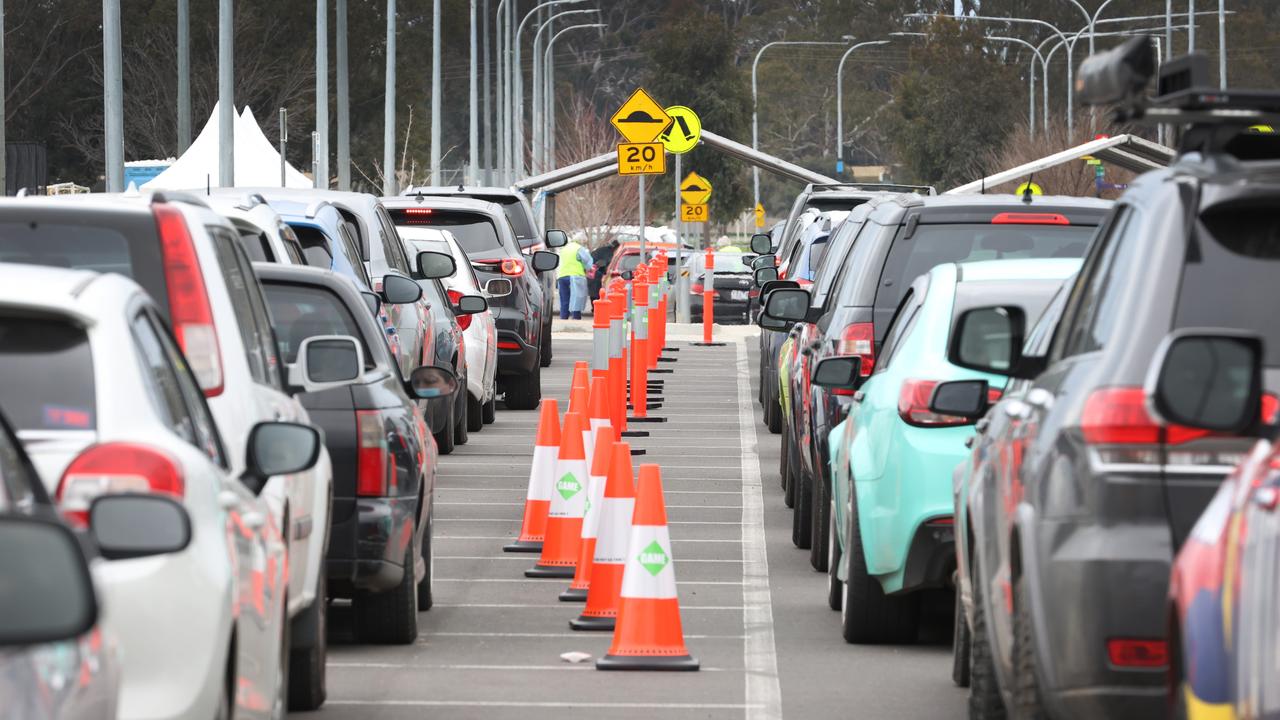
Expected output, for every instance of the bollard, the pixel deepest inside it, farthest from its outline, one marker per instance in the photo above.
(708, 297)
(654, 316)
(618, 363)
(602, 311)
(639, 346)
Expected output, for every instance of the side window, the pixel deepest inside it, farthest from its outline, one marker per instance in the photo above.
(351, 250)
(203, 429)
(16, 479)
(256, 246)
(241, 286)
(1093, 306)
(292, 247)
(391, 241)
(162, 380)
(901, 324)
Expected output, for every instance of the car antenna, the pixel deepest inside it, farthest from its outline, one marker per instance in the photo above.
(1026, 189)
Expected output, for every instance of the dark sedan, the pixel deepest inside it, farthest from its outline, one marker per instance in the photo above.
(735, 292)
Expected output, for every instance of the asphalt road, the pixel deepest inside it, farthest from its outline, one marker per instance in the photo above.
(753, 611)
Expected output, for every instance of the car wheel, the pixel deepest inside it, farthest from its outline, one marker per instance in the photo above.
(475, 414)
(835, 586)
(773, 412)
(867, 615)
(462, 424)
(985, 702)
(788, 478)
(444, 438)
(544, 356)
(1026, 686)
(802, 511)
(425, 599)
(819, 520)
(307, 664)
(960, 646)
(489, 411)
(281, 701)
(524, 392)
(390, 617)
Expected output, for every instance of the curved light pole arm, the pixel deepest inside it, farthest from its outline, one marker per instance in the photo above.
(538, 90)
(517, 121)
(840, 98)
(550, 112)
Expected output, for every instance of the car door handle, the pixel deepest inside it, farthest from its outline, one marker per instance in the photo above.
(981, 426)
(968, 442)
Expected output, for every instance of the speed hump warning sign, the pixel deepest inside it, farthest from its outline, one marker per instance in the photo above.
(695, 189)
(641, 120)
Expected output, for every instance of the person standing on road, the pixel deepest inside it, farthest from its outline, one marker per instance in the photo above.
(571, 279)
(600, 258)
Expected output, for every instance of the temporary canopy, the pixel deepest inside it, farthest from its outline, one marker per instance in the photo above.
(1127, 151)
(257, 162)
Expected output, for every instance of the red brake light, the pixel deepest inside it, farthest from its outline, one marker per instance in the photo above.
(1125, 652)
(417, 211)
(373, 460)
(464, 321)
(189, 310)
(913, 405)
(1020, 218)
(507, 266)
(116, 468)
(857, 339)
(697, 288)
(508, 345)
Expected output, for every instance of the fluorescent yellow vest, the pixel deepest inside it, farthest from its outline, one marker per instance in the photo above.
(570, 265)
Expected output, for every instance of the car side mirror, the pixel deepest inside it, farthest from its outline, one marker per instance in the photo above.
(432, 381)
(371, 300)
(768, 323)
(777, 285)
(762, 261)
(627, 275)
(1208, 379)
(470, 305)
(556, 238)
(765, 275)
(989, 339)
(400, 290)
(279, 448)
(787, 304)
(138, 525)
(544, 261)
(326, 361)
(498, 287)
(434, 265)
(843, 371)
(968, 399)
(761, 244)
(47, 594)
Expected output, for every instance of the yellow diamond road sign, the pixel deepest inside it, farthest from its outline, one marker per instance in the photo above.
(684, 132)
(759, 215)
(640, 119)
(695, 189)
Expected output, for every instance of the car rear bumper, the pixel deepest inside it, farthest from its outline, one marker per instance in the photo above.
(366, 550)
(515, 355)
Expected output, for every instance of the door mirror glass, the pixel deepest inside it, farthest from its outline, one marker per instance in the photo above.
(279, 448)
(434, 265)
(556, 238)
(1208, 381)
(498, 287)
(788, 304)
(838, 372)
(765, 275)
(762, 261)
(400, 290)
(47, 593)
(988, 339)
(138, 525)
(777, 285)
(761, 244)
(627, 275)
(372, 300)
(960, 398)
(432, 381)
(768, 323)
(544, 261)
(326, 361)
(470, 305)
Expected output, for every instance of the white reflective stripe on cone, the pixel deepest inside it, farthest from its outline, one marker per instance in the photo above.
(613, 543)
(542, 473)
(651, 571)
(595, 498)
(569, 496)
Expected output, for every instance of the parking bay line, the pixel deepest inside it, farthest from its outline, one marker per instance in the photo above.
(517, 520)
(562, 606)
(534, 704)
(555, 635)
(520, 504)
(517, 558)
(561, 580)
(519, 489)
(508, 537)
(500, 668)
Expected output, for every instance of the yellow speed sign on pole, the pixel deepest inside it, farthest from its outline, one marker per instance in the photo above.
(684, 132)
(759, 215)
(693, 213)
(695, 189)
(641, 159)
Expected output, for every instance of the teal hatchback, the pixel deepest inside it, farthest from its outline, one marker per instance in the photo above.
(892, 457)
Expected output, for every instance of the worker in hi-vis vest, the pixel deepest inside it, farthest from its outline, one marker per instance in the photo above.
(571, 279)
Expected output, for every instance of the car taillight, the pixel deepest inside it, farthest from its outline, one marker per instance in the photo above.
(464, 321)
(116, 468)
(1127, 652)
(697, 288)
(189, 310)
(507, 266)
(1023, 218)
(508, 345)
(373, 459)
(857, 339)
(913, 405)
(804, 284)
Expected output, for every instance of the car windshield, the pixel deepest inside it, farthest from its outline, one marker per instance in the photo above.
(725, 262)
(811, 257)
(304, 311)
(48, 371)
(475, 232)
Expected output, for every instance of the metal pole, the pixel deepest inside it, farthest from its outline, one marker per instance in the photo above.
(642, 220)
(4, 185)
(344, 104)
(322, 94)
(682, 293)
(389, 107)
(549, 65)
(1191, 21)
(284, 138)
(518, 121)
(487, 161)
(500, 99)
(535, 109)
(473, 108)
(226, 93)
(1222, 44)
(1168, 28)
(113, 96)
(840, 103)
(513, 164)
(184, 77)
(436, 91)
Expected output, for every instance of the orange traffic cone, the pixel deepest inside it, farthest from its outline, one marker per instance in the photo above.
(568, 504)
(613, 537)
(581, 377)
(541, 480)
(648, 635)
(603, 454)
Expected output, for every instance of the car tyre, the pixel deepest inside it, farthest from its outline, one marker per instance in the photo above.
(425, 598)
(867, 615)
(773, 415)
(462, 424)
(445, 438)
(524, 392)
(835, 586)
(819, 520)
(390, 617)
(280, 704)
(544, 351)
(802, 512)
(475, 414)
(788, 478)
(985, 702)
(489, 411)
(1027, 704)
(960, 642)
(307, 665)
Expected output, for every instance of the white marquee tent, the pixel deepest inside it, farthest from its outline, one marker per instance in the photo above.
(257, 161)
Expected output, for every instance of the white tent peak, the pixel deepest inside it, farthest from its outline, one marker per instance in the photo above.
(257, 161)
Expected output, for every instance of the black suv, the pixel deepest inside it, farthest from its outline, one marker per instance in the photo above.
(1085, 496)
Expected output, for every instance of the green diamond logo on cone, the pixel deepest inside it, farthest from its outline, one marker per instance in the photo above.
(654, 558)
(568, 486)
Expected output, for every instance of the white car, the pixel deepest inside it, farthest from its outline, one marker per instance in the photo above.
(105, 402)
(189, 259)
(263, 235)
(479, 330)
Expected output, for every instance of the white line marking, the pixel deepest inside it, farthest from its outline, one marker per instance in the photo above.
(499, 668)
(562, 606)
(520, 504)
(531, 704)
(437, 578)
(554, 635)
(517, 520)
(522, 490)
(759, 653)
(508, 537)
(517, 558)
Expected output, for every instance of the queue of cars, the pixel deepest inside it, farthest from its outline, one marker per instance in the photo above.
(233, 403)
(1041, 410)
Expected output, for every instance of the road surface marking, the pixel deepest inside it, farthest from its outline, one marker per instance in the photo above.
(528, 704)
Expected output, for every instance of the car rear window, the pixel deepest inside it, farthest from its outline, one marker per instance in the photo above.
(1232, 264)
(519, 219)
(725, 263)
(475, 233)
(811, 257)
(303, 311)
(49, 375)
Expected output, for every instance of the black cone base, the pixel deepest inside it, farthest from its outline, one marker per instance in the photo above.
(710, 344)
(634, 433)
(573, 595)
(665, 359)
(638, 451)
(670, 349)
(523, 546)
(599, 624)
(664, 370)
(550, 571)
(635, 662)
(645, 419)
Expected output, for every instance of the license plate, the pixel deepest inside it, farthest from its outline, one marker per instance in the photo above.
(737, 294)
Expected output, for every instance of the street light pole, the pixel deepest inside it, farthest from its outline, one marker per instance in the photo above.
(436, 91)
(1222, 44)
(755, 119)
(226, 93)
(485, 91)
(389, 107)
(473, 107)
(321, 179)
(184, 77)
(519, 80)
(840, 101)
(548, 60)
(1191, 20)
(113, 96)
(500, 58)
(344, 103)
(539, 85)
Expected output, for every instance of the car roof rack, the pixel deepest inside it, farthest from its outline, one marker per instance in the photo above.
(874, 187)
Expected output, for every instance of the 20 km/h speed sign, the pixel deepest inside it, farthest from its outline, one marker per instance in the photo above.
(641, 159)
(693, 213)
